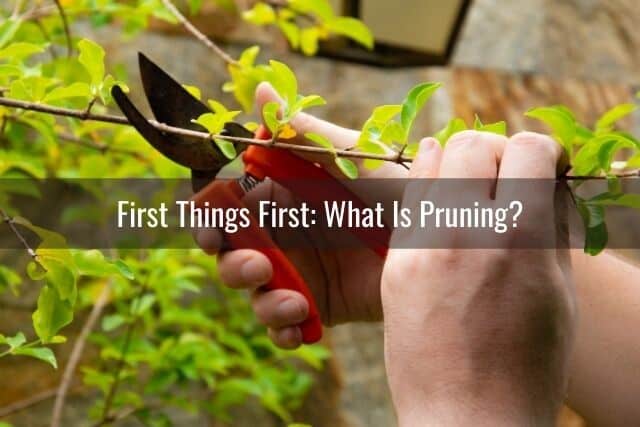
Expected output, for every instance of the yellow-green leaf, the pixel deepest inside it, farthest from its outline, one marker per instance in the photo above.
(347, 167)
(352, 28)
(92, 57)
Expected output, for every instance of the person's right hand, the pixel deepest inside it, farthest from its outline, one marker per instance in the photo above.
(345, 283)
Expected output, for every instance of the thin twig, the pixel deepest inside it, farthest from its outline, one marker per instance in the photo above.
(198, 34)
(27, 403)
(76, 354)
(108, 400)
(65, 25)
(39, 12)
(101, 147)
(9, 221)
(16, 9)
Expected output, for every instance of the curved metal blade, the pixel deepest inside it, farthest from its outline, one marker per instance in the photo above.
(187, 151)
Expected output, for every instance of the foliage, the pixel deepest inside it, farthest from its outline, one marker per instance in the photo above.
(169, 328)
(306, 22)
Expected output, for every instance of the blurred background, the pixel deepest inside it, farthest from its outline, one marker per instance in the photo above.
(497, 58)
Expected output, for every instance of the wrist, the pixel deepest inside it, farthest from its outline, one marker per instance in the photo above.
(479, 406)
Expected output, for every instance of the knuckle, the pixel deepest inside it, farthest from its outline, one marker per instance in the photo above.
(463, 139)
(542, 145)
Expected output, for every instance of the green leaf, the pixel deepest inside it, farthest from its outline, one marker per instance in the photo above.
(124, 269)
(248, 56)
(598, 153)
(284, 81)
(194, 91)
(270, 116)
(414, 102)
(113, 321)
(562, 123)
(92, 58)
(596, 235)
(8, 29)
(499, 128)
(306, 102)
(260, 14)
(615, 199)
(15, 341)
(353, 28)
(52, 314)
(373, 148)
(454, 126)
(291, 32)
(227, 148)
(309, 40)
(21, 50)
(9, 279)
(611, 117)
(74, 90)
(42, 353)
(347, 167)
(143, 304)
(320, 140)
(634, 162)
(321, 8)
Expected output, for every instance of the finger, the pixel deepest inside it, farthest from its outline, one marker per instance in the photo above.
(287, 338)
(473, 155)
(279, 308)
(208, 239)
(340, 137)
(427, 161)
(531, 155)
(244, 269)
(527, 174)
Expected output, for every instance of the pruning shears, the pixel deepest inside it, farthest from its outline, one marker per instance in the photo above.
(173, 105)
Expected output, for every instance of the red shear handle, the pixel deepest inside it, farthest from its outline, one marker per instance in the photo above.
(301, 177)
(226, 194)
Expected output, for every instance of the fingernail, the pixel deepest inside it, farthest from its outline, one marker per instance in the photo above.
(255, 272)
(426, 145)
(293, 336)
(290, 308)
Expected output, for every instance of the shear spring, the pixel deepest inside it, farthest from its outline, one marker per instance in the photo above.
(248, 182)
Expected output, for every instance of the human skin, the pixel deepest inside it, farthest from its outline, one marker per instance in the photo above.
(475, 336)
(603, 371)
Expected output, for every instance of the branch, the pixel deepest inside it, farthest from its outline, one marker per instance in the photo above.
(76, 354)
(107, 118)
(204, 136)
(197, 34)
(27, 403)
(7, 219)
(65, 25)
(101, 147)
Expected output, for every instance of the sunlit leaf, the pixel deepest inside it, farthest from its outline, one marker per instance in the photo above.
(92, 57)
(353, 28)
(414, 102)
(454, 126)
(347, 167)
(260, 14)
(270, 115)
(562, 124)
(41, 353)
(611, 117)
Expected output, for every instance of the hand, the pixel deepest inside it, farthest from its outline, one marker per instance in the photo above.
(480, 337)
(345, 283)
